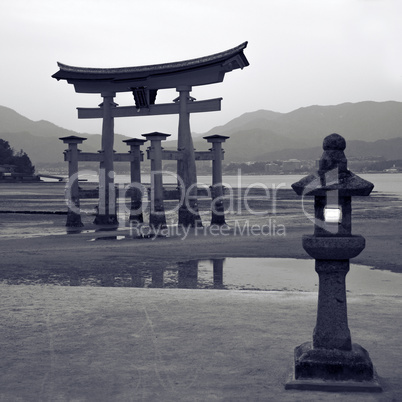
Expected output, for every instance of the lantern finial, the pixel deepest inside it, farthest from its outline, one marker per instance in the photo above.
(333, 156)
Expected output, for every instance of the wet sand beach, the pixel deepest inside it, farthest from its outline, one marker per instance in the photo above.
(377, 218)
(87, 343)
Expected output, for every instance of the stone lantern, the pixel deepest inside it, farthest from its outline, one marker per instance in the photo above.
(331, 361)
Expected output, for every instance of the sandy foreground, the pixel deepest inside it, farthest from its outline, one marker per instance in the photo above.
(63, 343)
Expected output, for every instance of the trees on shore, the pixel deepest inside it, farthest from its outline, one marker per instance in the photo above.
(19, 160)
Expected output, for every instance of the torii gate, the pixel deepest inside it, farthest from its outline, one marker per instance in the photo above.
(144, 82)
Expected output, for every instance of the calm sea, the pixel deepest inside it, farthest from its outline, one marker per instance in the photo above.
(383, 182)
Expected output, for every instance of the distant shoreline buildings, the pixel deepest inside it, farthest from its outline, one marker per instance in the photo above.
(295, 166)
(285, 167)
(8, 174)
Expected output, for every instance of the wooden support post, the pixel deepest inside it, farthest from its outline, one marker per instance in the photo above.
(157, 213)
(218, 210)
(107, 195)
(186, 169)
(135, 186)
(187, 275)
(157, 277)
(218, 272)
(137, 280)
(73, 197)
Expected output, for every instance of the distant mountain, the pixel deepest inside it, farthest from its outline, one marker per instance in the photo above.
(366, 121)
(245, 145)
(13, 122)
(251, 120)
(40, 139)
(370, 128)
(389, 149)
(263, 134)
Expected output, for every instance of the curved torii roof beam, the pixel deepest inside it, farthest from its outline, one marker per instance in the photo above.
(201, 71)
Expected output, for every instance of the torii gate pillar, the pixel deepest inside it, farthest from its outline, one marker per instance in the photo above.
(186, 168)
(71, 155)
(218, 211)
(157, 216)
(136, 215)
(107, 194)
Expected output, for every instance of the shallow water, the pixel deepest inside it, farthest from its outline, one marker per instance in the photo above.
(39, 209)
(264, 274)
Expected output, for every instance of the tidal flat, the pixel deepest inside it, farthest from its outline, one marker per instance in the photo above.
(33, 232)
(119, 343)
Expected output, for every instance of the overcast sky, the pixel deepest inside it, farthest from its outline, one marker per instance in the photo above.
(301, 53)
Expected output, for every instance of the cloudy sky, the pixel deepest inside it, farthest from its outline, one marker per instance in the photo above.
(301, 53)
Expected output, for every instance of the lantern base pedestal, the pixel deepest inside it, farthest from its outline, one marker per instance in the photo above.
(333, 370)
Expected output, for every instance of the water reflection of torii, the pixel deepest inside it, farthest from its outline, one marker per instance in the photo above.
(144, 82)
(187, 275)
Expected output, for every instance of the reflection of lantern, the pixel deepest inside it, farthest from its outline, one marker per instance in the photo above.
(331, 355)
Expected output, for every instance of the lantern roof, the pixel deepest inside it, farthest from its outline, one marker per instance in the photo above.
(349, 184)
(333, 173)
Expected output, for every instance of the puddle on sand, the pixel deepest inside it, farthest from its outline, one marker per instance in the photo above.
(109, 238)
(267, 274)
(125, 237)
